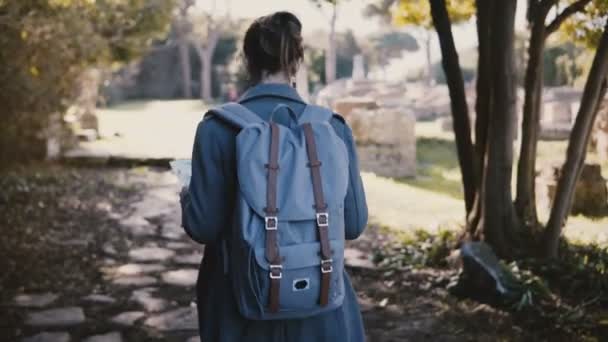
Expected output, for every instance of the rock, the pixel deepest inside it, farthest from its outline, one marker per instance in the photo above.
(178, 319)
(172, 232)
(151, 254)
(138, 226)
(144, 298)
(49, 337)
(483, 277)
(138, 269)
(109, 337)
(127, 318)
(135, 281)
(183, 277)
(178, 245)
(109, 249)
(56, 317)
(190, 259)
(35, 300)
(98, 298)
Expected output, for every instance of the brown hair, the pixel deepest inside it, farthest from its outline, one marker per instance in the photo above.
(272, 44)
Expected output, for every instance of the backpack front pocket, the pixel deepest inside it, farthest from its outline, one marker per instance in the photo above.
(300, 282)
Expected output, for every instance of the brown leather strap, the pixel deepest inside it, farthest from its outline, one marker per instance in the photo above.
(271, 222)
(322, 215)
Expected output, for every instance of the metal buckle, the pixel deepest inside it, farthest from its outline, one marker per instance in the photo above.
(272, 268)
(325, 263)
(271, 222)
(322, 219)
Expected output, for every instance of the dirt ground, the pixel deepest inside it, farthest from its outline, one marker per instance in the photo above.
(67, 231)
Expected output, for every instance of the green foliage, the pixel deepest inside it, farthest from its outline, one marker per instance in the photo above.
(416, 250)
(560, 64)
(384, 46)
(418, 12)
(436, 161)
(586, 27)
(346, 48)
(45, 46)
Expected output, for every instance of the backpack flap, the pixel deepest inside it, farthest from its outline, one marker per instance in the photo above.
(235, 114)
(295, 200)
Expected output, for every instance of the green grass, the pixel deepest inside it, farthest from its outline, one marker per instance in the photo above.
(437, 168)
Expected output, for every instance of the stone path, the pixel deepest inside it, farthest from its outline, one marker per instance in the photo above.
(148, 283)
(148, 272)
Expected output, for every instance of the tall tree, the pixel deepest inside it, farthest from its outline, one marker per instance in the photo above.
(380, 48)
(330, 52)
(45, 46)
(183, 27)
(493, 217)
(497, 222)
(459, 108)
(207, 28)
(417, 14)
(538, 11)
(594, 92)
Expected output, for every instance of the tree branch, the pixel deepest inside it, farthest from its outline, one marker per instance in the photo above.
(577, 6)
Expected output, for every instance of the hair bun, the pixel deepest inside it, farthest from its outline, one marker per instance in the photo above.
(274, 43)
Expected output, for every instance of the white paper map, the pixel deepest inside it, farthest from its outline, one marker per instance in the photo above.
(183, 170)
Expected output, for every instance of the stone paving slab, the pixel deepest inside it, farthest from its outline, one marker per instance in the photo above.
(138, 269)
(56, 317)
(151, 254)
(109, 337)
(135, 281)
(99, 298)
(184, 277)
(127, 318)
(35, 300)
(150, 303)
(175, 320)
(49, 337)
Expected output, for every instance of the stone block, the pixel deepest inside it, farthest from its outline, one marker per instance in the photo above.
(346, 105)
(386, 141)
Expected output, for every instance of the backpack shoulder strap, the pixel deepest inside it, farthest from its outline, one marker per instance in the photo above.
(314, 113)
(235, 114)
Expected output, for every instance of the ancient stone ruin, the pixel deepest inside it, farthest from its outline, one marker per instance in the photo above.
(590, 196)
(386, 141)
(383, 122)
(559, 109)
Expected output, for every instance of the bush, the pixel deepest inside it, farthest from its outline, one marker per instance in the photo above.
(46, 45)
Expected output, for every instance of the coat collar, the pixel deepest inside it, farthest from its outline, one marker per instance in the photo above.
(281, 90)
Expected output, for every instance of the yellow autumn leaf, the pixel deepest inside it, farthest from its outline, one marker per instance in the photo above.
(34, 71)
(24, 35)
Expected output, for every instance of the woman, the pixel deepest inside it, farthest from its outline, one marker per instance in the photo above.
(273, 50)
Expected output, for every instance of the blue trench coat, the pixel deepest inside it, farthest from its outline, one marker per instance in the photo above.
(206, 212)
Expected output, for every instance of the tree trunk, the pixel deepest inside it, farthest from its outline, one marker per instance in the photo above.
(330, 56)
(460, 112)
(525, 202)
(577, 146)
(184, 60)
(429, 63)
(182, 27)
(498, 221)
(206, 73)
(482, 107)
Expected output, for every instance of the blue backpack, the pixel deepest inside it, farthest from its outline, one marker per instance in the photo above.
(285, 249)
